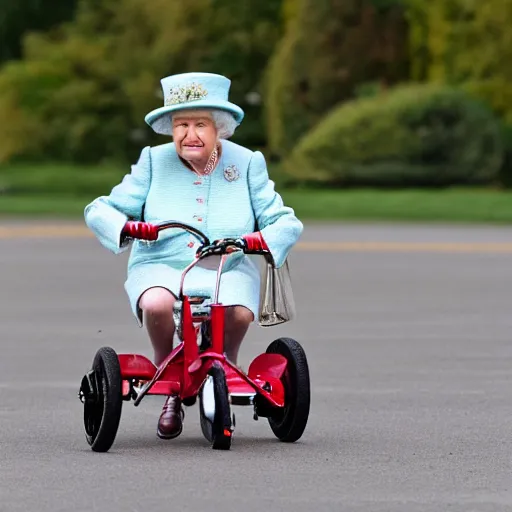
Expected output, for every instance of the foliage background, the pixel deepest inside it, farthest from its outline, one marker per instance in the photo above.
(322, 82)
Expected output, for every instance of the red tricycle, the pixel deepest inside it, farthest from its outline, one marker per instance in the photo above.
(276, 385)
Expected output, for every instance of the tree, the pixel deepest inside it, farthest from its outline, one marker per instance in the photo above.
(469, 43)
(97, 77)
(329, 49)
(19, 17)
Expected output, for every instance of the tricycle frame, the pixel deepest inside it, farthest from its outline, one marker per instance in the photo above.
(185, 369)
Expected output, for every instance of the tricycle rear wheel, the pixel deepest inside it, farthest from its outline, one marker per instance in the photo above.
(289, 422)
(101, 393)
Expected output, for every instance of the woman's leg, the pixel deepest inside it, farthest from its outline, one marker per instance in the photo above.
(237, 322)
(156, 305)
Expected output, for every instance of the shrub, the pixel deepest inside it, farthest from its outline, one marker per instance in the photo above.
(416, 135)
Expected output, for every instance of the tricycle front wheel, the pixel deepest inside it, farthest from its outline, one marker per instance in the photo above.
(215, 409)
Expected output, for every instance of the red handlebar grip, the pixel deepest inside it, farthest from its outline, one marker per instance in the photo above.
(140, 230)
(255, 242)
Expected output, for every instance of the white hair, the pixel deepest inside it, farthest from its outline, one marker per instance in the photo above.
(225, 123)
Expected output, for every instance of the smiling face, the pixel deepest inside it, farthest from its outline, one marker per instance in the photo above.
(195, 135)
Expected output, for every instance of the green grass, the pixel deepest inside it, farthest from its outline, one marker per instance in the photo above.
(59, 180)
(42, 206)
(415, 205)
(63, 191)
(454, 205)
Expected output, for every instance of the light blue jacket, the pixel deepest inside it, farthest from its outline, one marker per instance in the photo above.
(160, 188)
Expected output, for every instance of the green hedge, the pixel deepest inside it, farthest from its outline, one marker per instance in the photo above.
(416, 135)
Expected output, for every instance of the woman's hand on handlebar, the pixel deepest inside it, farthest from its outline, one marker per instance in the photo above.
(140, 230)
(252, 243)
(220, 247)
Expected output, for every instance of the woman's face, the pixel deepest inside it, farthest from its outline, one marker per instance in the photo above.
(194, 134)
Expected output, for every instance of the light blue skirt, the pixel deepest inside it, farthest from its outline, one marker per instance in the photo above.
(239, 286)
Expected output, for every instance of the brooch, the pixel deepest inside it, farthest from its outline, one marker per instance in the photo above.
(231, 173)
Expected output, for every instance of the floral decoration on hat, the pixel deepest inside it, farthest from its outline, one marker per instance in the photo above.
(185, 93)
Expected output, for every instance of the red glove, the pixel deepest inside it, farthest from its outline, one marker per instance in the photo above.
(140, 230)
(255, 243)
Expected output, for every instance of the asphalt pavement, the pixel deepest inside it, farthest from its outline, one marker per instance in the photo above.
(408, 331)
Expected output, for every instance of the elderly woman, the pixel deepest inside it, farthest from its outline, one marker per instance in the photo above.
(206, 181)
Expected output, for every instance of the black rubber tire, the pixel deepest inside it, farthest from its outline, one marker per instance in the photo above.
(289, 423)
(215, 433)
(102, 417)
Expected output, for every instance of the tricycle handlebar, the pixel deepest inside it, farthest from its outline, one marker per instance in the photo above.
(205, 241)
(192, 230)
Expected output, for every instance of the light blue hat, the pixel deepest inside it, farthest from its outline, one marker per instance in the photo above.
(192, 91)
